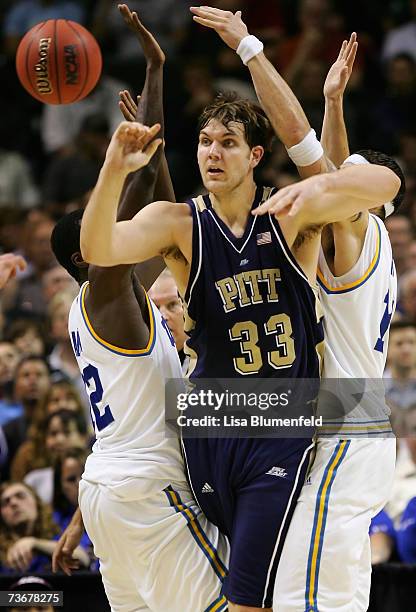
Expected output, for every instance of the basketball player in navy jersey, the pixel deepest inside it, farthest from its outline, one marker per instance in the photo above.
(248, 284)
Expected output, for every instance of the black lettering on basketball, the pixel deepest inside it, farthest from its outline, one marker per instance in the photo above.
(71, 65)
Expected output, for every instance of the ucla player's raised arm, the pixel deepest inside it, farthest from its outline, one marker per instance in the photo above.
(329, 198)
(278, 100)
(334, 138)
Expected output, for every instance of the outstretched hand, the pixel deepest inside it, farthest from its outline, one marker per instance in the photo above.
(127, 105)
(290, 200)
(340, 72)
(229, 26)
(132, 146)
(10, 264)
(151, 49)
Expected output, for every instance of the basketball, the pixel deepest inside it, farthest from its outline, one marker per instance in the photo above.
(58, 61)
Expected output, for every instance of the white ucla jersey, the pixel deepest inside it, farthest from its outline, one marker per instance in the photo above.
(127, 396)
(358, 308)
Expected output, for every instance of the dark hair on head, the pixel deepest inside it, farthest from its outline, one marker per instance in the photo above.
(65, 241)
(66, 417)
(19, 327)
(381, 159)
(228, 107)
(402, 324)
(27, 359)
(60, 501)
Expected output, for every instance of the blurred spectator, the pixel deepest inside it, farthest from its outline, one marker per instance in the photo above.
(11, 221)
(56, 433)
(16, 183)
(166, 19)
(62, 357)
(62, 123)
(56, 280)
(400, 234)
(26, 295)
(71, 175)
(308, 86)
(407, 286)
(31, 583)
(30, 383)
(400, 382)
(411, 256)
(24, 14)
(27, 531)
(164, 294)
(9, 358)
(406, 533)
(27, 336)
(382, 538)
(404, 485)
(61, 394)
(319, 38)
(403, 38)
(393, 112)
(68, 470)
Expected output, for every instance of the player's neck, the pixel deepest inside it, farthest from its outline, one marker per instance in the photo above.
(233, 207)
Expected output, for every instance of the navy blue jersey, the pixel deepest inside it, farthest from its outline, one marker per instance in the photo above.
(250, 308)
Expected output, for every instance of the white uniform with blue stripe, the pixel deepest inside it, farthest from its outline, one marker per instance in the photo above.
(156, 549)
(326, 565)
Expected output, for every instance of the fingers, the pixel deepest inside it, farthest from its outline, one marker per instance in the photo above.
(152, 147)
(351, 55)
(208, 23)
(210, 12)
(342, 50)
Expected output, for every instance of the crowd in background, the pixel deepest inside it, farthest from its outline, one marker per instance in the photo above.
(50, 157)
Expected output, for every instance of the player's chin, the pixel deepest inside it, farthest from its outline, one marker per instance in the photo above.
(215, 184)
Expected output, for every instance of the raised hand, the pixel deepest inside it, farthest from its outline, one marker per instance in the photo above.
(229, 26)
(127, 105)
(291, 199)
(340, 72)
(10, 264)
(151, 49)
(132, 146)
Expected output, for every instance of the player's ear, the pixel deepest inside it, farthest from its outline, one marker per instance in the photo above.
(256, 155)
(77, 260)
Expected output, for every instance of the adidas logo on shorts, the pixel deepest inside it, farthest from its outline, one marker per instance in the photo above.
(207, 488)
(277, 471)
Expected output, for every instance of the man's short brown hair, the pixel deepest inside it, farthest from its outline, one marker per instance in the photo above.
(228, 107)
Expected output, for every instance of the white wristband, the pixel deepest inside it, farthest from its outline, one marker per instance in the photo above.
(306, 152)
(249, 47)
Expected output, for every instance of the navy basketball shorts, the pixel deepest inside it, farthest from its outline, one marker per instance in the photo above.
(249, 489)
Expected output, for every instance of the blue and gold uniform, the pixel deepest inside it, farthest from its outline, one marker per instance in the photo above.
(250, 311)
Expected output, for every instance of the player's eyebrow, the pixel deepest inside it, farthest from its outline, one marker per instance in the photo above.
(229, 132)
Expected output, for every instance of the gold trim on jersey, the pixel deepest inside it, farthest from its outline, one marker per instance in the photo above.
(111, 347)
(354, 284)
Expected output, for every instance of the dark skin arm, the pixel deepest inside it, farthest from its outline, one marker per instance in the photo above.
(115, 300)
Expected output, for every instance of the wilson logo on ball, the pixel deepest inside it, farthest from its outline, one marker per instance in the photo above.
(43, 83)
(58, 61)
(71, 65)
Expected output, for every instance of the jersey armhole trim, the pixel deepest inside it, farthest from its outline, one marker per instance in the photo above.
(360, 281)
(111, 347)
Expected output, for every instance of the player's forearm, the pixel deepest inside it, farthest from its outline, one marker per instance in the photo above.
(350, 191)
(334, 137)
(140, 186)
(279, 102)
(98, 227)
(368, 181)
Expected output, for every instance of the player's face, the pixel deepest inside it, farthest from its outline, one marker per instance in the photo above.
(70, 477)
(224, 157)
(18, 505)
(402, 348)
(164, 293)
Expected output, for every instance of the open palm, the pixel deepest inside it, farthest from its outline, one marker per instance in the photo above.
(340, 72)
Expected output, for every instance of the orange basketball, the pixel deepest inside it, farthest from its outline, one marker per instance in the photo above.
(58, 61)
